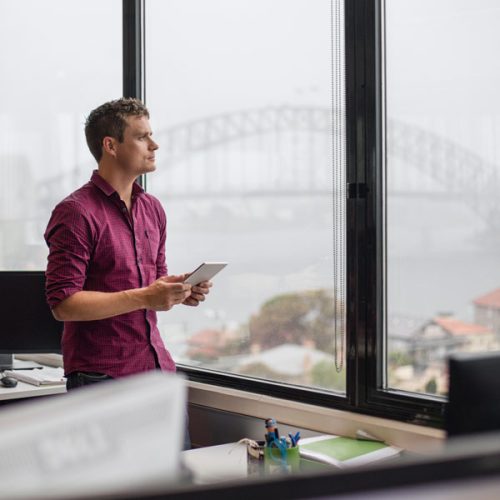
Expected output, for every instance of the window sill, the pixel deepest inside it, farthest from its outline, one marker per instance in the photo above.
(411, 437)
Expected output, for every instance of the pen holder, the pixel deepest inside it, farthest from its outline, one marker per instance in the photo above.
(281, 460)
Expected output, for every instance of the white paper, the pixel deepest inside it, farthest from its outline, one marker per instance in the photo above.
(116, 436)
(217, 463)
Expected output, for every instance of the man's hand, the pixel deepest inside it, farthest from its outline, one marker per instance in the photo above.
(198, 293)
(166, 292)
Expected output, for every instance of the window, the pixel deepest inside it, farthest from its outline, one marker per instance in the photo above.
(360, 231)
(53, 73)
(443, 166)
(251, 157)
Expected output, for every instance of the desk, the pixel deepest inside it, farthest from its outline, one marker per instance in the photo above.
(229, 462)
(23, 390)
(467, 468)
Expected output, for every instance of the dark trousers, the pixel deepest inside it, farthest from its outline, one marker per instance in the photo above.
(81, 379)
(75, 380)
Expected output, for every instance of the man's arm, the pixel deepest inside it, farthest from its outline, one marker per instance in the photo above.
(161, 295)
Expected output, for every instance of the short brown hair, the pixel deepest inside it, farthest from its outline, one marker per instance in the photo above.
(108, 120)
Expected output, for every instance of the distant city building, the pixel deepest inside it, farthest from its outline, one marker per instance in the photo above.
(419, 349)
(487, 311)
(401, 332)
(206, 344)
(211, 344)
(443, 335)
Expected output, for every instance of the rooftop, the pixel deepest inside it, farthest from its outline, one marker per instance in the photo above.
(491, 299)
(458, 327)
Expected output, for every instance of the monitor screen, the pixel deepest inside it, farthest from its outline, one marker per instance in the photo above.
(474, 394)
(27, 324)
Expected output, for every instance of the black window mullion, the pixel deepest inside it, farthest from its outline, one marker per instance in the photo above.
(133, 48)
(408, 407)
(355, 122)
(371, 307)
(309, 395)
(133, 54)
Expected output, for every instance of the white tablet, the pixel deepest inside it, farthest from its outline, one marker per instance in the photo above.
(204, 272)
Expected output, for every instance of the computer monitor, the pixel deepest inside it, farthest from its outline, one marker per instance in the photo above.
(474, 393)
(26, 322)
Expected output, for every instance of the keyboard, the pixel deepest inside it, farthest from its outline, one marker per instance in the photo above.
(39, 376)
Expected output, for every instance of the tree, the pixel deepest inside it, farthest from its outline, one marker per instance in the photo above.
(431, 386)
(295, 318)
(261, 370)
(399, 358)
(325, 375)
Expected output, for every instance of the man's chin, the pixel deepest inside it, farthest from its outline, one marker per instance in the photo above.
(149, 168)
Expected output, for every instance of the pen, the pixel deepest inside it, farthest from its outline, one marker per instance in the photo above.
(294, 439)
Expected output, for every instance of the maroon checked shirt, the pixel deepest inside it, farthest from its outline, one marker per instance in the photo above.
(95, 244)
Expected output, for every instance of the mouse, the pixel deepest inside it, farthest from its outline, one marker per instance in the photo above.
(8, 382)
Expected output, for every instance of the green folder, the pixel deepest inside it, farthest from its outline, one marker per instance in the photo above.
(341, 449)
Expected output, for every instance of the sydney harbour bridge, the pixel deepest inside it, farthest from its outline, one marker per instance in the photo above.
(287, 151)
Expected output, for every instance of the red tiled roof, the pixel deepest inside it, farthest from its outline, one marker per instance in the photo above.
(206, 351)
(491, 299)
(205, 338)
(457, 327)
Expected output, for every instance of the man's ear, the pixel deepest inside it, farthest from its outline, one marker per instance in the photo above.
(109, 145)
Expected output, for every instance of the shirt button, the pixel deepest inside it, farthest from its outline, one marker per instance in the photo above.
(124, 209)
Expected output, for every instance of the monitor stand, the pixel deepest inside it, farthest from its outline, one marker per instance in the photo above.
(6, 361)
(9, 362)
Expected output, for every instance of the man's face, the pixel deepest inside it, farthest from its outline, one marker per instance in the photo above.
(136, 154)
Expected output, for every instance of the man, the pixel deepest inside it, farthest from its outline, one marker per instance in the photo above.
(106, 274)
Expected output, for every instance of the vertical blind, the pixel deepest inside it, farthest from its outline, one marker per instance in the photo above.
(338, 161)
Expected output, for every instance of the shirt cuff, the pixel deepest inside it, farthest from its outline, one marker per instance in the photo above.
(56, 297)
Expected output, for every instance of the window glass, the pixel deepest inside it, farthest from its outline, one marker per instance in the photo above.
(59, 60)
(241, 95)
(443, 165)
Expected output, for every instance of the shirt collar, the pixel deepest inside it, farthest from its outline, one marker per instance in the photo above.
(108, 189)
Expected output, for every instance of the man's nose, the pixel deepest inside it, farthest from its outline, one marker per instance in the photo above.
(153, 145)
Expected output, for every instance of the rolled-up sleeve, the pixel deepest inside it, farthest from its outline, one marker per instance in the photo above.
(70, 237)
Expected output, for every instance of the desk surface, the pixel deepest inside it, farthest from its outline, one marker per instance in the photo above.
(23, 390)
(229, 462)
(212, 464)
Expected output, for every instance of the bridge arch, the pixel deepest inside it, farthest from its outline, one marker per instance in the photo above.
(457, 169)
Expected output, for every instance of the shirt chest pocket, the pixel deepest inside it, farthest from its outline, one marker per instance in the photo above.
(152, 244)
(113, 252)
